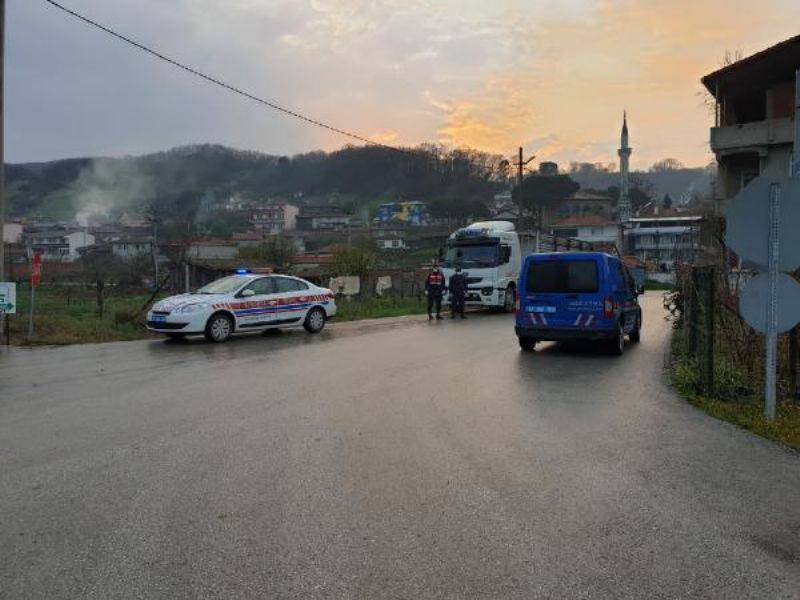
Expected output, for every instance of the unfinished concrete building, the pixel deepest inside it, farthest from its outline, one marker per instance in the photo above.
(753, 133)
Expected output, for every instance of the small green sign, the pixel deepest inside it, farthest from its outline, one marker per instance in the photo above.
(8, 297)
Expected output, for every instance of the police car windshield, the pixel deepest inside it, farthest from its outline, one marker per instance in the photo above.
(226, 285)
(473, 255)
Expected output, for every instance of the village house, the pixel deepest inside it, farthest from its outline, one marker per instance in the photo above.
(314, 218)
(584, 203)
(128, 248)
(212, 249)
(587, 228)
(57, 244)
(274, 218)
(664, 240)
(753, 133)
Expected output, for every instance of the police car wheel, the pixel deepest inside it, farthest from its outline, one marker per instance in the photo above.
(315, 320)
(527, 344)
(219, 328)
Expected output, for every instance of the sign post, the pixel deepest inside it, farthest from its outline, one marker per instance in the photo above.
(772, 310)
(36, 278)
(762, 222)
(8, 305)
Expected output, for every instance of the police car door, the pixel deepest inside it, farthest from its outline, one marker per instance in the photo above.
(257, 310)
(293, 301)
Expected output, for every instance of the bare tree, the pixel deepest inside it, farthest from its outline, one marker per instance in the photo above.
(102, 269)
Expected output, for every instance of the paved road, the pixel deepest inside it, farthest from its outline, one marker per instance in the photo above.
(404, 460)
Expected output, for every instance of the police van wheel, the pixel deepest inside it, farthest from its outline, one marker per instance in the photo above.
(527, 344)
(510, 301)
(219, 328)
(315, 320)
(616, 345)
(636, 334)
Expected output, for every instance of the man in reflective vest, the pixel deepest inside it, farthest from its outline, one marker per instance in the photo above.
(434, 289)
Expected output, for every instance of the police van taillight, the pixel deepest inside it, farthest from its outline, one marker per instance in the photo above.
(608, 307)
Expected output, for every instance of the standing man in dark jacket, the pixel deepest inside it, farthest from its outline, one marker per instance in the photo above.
(457, 287)
(434, 288)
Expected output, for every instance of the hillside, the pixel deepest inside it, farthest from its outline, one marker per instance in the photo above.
(189, 179)
(189, 182)
(682, 184)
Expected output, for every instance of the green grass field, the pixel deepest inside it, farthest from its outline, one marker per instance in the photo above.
(652, 285)
(375, 308)
(68, 315)
(730, 404)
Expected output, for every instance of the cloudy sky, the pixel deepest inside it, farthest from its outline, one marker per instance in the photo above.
(552, 75)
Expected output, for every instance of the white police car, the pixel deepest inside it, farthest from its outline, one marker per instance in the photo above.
(243, 302)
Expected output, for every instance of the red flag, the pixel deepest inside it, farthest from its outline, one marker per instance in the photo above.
(36, 270)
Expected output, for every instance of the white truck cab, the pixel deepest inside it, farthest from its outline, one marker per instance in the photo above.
(490, 254)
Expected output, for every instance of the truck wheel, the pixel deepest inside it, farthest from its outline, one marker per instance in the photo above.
(510, 301)
(315, 320)
(219, 328)
(527, 344)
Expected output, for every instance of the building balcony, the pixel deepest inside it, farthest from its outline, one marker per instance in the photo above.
(752, 137)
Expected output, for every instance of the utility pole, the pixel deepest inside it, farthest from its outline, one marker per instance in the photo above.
(2, 145)
(520, 164)
(794, 334)
(2, 148)
(154, 250)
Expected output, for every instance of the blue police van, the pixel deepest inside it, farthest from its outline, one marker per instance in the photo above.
(566, 296)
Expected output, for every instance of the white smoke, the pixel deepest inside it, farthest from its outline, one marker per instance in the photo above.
(109, 188)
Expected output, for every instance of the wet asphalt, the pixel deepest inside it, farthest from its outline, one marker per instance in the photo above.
(394, 459)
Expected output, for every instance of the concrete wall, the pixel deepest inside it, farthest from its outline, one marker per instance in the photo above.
(604, 233)
(212, 251)
(748, 135)
(290, 217)
(12, 233)
(78, 240)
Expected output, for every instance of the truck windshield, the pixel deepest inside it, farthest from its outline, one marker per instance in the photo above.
(226, 285)
(472, 255)
(562, 277)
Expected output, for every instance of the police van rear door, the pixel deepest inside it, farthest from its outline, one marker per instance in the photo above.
(565, 291)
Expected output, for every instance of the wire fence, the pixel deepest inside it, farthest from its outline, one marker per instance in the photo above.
(727, 354)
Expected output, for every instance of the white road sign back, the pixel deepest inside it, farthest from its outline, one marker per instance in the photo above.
(748, 223)
(755, 298)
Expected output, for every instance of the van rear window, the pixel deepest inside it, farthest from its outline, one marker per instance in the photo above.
(562, 277)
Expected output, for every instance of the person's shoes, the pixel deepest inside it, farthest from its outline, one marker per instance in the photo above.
(438, 316)
(430, 317)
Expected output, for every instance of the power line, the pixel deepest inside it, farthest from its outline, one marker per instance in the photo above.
(236, 90)
(219, 82)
